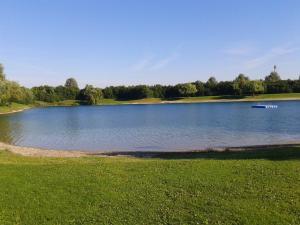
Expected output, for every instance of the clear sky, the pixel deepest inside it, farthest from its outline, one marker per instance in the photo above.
(112, 42)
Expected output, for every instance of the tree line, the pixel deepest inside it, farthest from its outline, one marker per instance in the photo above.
(241, 86)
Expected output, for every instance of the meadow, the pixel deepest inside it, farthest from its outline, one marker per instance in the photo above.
(252, 187)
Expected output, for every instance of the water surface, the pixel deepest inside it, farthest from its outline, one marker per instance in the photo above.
(152, 127)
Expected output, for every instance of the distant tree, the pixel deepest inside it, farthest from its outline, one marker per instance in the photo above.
(273, 77)
(225, 88)
(4, 93)
(12, 92)
(66, 93)
(242, 78)
(186, 90)
(45, 93)
(158, 91)
(71, 83)
(2, 75)
(210, 86)
(212, 81)
(91, 95)
(108, 92)
(254, 87)
(139, 92)
(281, 86)
(296, 86)
(240, 84)
(120, 92)
(200, 88)
(171, 91)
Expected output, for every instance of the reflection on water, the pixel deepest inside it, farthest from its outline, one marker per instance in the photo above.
(152, 127)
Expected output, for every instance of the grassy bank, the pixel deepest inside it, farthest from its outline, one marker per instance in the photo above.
(257, 187)
(14, 107)
(265, 97)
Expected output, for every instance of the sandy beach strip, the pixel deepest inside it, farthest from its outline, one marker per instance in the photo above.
(39, 152)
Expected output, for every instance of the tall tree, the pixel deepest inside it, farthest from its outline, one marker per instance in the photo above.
(211, 86)
(91, 95)
(254, 87)
(273, 77)
(212, 82)
(71, 83)
(186, 90)
(2, 75)
(200, 88)
(240, 84)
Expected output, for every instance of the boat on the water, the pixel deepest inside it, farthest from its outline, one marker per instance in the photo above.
(265, 106)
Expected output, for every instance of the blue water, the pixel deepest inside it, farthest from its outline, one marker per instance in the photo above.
(152, 127)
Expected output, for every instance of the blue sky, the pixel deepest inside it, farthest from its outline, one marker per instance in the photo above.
(113, 42)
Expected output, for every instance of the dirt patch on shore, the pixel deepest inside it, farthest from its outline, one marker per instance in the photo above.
(13, 111)
(37, 152)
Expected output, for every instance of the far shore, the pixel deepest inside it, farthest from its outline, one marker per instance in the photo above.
(39, 152)
(15, 108)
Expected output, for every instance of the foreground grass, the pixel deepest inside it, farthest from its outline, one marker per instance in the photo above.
(260, 187)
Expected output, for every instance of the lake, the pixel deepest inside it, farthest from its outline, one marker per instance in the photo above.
(166, 127)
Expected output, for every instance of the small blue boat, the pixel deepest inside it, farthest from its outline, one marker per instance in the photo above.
(265, 106)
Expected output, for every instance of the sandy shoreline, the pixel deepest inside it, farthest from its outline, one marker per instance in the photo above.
(39, 152)
(14, 111)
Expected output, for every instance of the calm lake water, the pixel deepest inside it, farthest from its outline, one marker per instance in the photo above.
(152, 127)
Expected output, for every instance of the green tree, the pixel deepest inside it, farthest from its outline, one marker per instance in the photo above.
(240, 84)
(200, 88)
(187, 90)
(71, 83)
(45, 93)
(91, 95)
(273, 77)
(4, 93)
(158, 91)
(211, 86)
(254, 87)
(2, 75)
(12, 92)
(212, 81)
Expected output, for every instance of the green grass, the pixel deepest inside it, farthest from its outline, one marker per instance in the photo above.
(61, 103)
(257, 187)
(277, 96)
(204, 99)
(13, 107)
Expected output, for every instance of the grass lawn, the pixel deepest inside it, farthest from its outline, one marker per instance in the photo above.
(277, 96)
(205, 99)
(12, 107)
(257, 187)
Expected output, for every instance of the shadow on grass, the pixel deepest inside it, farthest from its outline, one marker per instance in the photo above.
(270, 153)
